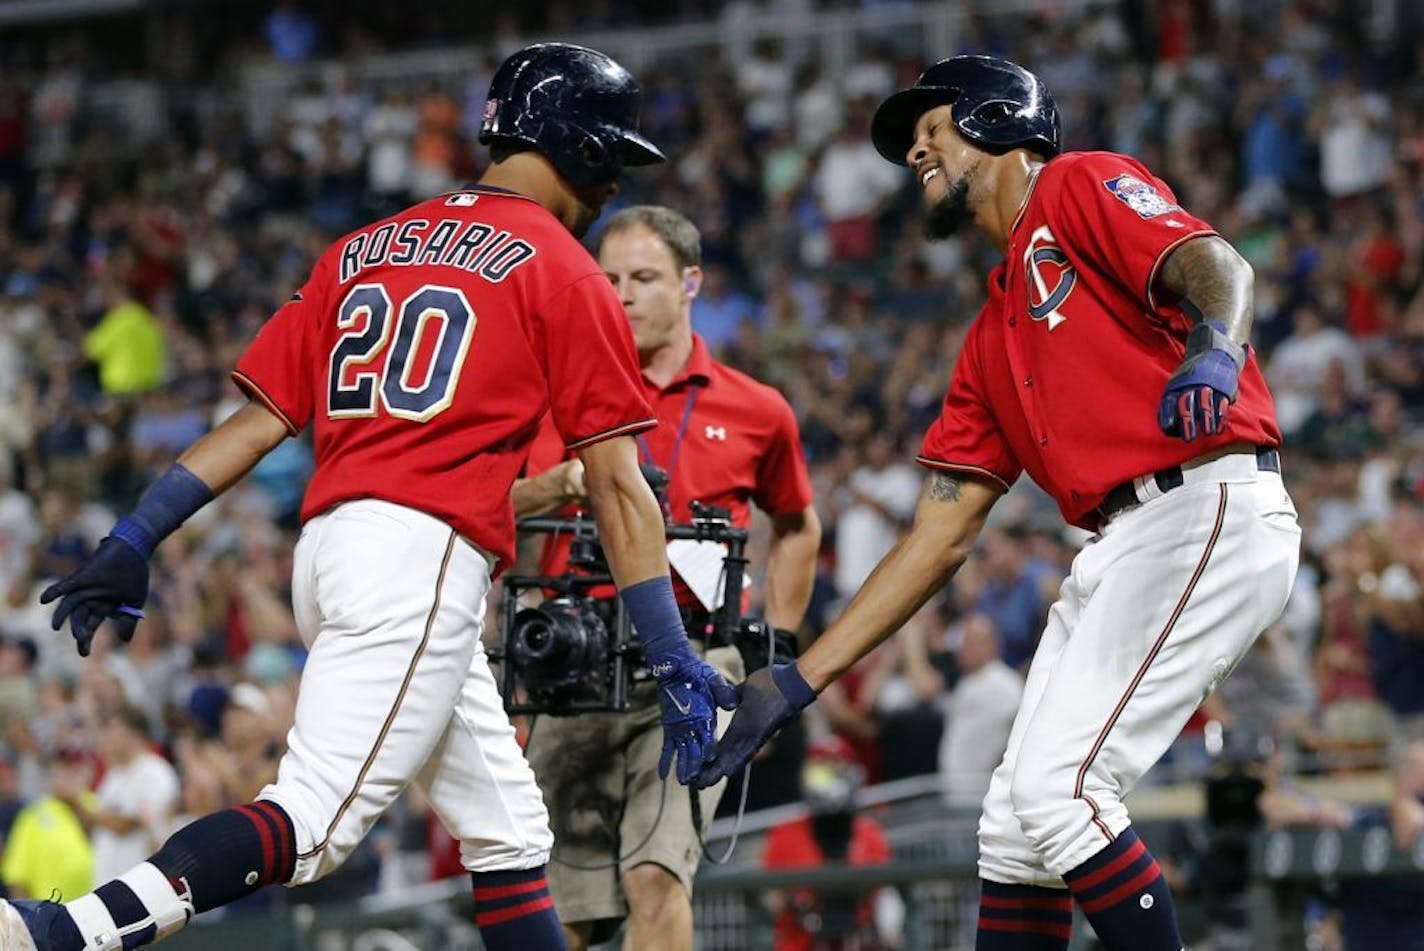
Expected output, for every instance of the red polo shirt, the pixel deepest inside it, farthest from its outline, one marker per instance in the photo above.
(724, 438)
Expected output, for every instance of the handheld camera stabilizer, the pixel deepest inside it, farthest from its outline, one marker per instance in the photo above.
(577, 652)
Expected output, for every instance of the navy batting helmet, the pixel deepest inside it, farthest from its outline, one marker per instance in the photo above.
(574, 105)
(998, 105)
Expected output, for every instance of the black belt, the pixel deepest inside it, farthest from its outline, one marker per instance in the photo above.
(1125, 495)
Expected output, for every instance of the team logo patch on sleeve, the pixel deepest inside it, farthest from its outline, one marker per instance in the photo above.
(1139, 196)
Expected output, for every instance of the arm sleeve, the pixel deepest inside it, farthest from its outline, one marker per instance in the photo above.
(591, 364)
(1119, 218)
(966, 436)
(278, 368)
(783, 486)
(98, 340)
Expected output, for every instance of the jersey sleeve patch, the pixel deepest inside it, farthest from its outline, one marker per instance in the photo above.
(1139, 196)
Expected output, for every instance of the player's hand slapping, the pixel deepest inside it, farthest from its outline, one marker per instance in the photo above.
(112, 583)
(689, 692)
(768, 700)
(1200, 393)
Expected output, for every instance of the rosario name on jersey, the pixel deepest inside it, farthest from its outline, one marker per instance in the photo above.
(424, 349)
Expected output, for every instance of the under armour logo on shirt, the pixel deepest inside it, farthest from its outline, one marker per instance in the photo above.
(717, 432)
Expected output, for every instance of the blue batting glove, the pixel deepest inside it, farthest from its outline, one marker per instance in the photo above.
(111, 583)
(1200, 393)
(689, 692)
(770, 698)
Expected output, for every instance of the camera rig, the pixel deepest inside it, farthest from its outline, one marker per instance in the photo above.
(576, 652)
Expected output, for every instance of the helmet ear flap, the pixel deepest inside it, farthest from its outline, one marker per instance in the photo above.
(993, 113)
(595, 153)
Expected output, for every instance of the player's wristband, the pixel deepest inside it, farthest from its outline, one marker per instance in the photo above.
(1211, 335)
(653, 610)
(168, 503)
(792, 685)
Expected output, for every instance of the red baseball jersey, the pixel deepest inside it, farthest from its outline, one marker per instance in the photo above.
(1063, 369)
(425, 348)
(724, 439)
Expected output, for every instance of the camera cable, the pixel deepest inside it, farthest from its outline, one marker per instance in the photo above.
(726, 856)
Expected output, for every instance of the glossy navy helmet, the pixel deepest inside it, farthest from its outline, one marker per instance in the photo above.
(575, 106)
(997, 105)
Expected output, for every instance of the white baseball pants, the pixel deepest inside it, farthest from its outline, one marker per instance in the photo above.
(397, 689)
(1155, 612)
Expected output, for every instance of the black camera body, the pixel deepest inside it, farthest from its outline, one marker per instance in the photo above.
(576, 652)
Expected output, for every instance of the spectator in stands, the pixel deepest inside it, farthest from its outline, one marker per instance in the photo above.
(1393, 612)
(129, 815)
(1353, 720)
(127, 344)
(389, 131)
(875, 503)
(1016, 592)
(1374, 265)
(832, 834)
(720, 309)
(1299, 366)
(19, 693)
(1353, 126)
(48, 850)
(853, 191)
(246, 758)
(908, 700)
(978, 714)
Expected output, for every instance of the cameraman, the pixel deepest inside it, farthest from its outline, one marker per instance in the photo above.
(625, 845)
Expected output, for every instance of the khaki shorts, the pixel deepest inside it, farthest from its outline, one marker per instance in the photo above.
(609, 810)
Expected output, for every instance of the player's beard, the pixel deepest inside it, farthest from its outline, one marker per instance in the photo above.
(946, 216)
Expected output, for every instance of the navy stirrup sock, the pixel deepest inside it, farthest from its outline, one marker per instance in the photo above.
(514, 911)
(1123, 893)
(1023, 918)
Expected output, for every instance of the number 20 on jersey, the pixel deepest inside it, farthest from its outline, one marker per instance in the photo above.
(360, 376)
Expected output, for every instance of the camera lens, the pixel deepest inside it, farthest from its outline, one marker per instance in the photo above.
(557, 644)
(536, 637)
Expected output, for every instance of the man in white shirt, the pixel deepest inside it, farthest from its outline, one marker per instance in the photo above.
(1298, 366)
(135, 799)
(977, 714)
(875, 503)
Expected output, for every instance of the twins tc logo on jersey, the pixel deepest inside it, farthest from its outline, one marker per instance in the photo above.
(1050, 278)
(1139, 196)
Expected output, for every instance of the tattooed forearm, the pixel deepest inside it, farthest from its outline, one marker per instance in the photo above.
(1214, 283)
(944, 487)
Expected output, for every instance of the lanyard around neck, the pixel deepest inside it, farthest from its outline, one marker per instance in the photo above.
(646, 452)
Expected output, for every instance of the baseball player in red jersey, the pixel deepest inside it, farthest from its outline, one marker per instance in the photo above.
(624, 841)
(1110, 362)
(422, 351)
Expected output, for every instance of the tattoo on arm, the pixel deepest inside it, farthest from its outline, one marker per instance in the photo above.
(944, 487)
(1213, 281)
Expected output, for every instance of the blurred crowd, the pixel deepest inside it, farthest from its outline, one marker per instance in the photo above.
(131, 280)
